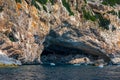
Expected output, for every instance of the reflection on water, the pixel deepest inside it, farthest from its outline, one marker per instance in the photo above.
(67, 72)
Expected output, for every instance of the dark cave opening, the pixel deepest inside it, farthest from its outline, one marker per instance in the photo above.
(61, 55)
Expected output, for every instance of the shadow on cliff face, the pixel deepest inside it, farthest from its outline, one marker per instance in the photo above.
(63, 55)
(55, 53)
(67, 42)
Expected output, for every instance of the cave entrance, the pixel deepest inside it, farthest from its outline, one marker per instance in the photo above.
(62, 55)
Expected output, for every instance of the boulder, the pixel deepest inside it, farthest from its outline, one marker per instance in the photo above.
(84, 60)
(115, 61)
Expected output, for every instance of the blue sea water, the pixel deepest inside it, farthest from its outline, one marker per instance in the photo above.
(60, 72)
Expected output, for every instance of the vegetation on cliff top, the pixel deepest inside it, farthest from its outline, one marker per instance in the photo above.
(87, 14)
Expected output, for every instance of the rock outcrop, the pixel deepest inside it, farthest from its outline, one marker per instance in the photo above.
(6, 61)
(67, 28)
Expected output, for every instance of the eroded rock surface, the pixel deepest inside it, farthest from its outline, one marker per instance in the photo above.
(22, 32)
(6, 61)
(84, 25)
(93, 29)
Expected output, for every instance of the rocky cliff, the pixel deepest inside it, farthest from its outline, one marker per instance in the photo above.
(73, 31)
(22, 30)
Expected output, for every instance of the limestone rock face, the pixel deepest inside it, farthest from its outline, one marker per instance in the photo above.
(93, 29)
(87, 26)
(22, 32)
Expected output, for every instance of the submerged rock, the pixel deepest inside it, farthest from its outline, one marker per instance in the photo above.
(101, 66)
(52, 64)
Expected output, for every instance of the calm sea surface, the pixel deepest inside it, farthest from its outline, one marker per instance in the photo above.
(60, 72)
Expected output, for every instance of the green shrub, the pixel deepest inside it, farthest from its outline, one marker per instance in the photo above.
(67, 6)
(43, 2)
(104, 23)
(111, 2)
(44, 8)
(85, 1)
(18, 1)
(119, 14)
(52, 2)
(87, 15)
(1, 8)
(35, 4)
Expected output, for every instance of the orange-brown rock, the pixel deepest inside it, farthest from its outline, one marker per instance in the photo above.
(93, 29)
(21, 31)
(80, 60)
